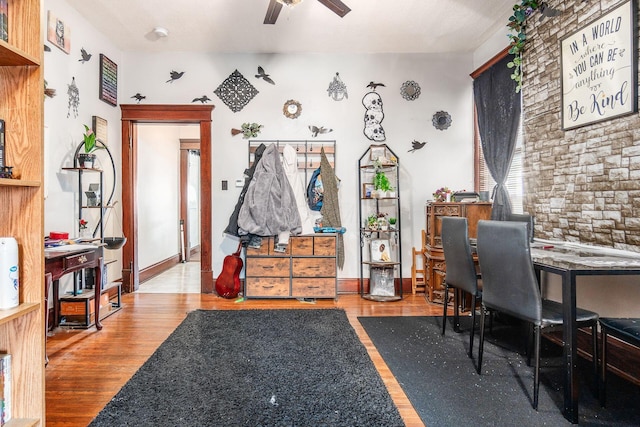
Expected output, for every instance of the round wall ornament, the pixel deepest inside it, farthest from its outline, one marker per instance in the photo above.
(441, 120)
(292, 109)
(410, 90)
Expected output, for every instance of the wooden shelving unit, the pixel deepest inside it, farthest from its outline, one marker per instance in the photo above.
(21, 107)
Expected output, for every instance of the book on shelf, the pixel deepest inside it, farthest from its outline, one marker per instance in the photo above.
(5, 388)
(4, 23)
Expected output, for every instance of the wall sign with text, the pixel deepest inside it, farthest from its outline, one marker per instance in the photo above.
(599, 77)
(108, 81)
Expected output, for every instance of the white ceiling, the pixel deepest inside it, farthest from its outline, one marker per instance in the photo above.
(372, 26)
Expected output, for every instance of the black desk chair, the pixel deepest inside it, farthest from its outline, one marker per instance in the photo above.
(627, 330)
(509, 285)
(461, 271)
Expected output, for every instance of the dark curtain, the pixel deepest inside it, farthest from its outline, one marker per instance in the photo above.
(498, 109)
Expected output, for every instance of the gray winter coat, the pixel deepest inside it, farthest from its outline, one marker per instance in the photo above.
(269, 206)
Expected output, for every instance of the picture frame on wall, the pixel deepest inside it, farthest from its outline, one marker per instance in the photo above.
(599, 69)
(99, 127)
(58, 33)
(108, 81)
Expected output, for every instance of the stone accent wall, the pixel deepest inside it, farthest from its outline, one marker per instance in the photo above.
(582, 185)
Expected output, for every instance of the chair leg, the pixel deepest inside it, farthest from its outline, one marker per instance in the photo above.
(444, 310)
(456, 309)
(594, 343)
(473, 324)
(603, 369)
(528, 345)
(536, 379)
(481, 345)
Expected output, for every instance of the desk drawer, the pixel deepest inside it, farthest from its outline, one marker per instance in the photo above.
(268, 267)
(79, 260)
(314, 267)
(263, 287)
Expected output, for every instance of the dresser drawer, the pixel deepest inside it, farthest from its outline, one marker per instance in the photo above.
(325, 245)
(314, 267)
(268, 267)
(318, 288)
(267, 287)
(302, 245)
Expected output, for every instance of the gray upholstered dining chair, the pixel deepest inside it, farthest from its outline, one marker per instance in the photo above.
(627, 330)
(510, 286)
(526, 218)
(461, 271)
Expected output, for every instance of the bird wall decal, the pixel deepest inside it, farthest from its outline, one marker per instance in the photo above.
(374, 86)
(315, 130)
(417, 145)
(138, 97)
(175, 75)
(264, 76)
(85, 56)
(203, 99)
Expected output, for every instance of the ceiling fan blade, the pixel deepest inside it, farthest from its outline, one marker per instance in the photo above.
(272, 12)
(336, 7)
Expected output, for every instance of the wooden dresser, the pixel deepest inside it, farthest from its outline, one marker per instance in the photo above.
(308, 268)
(434, 255)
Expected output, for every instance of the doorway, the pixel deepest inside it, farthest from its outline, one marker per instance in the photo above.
(168, 114)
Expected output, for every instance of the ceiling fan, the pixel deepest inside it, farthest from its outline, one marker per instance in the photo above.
(275, 6)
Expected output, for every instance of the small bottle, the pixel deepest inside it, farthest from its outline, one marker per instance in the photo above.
(9, 273)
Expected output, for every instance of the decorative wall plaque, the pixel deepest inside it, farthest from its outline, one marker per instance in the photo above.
(599, 77)
(108, 81)
(236, 91)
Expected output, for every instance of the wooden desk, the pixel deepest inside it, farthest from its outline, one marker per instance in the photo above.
(68, 259)
(570, 261)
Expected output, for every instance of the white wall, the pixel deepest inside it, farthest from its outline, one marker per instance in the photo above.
(158, 193)
(446, 160)
(64, 129)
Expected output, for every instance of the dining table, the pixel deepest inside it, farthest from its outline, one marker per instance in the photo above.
(570, 260)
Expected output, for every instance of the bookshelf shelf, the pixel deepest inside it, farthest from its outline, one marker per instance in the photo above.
(22, 329)
(19, 311)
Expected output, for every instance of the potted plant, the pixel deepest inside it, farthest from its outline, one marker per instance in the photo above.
(392, 222)
(381, 183)
(383, 224)
(87, 158)
(372, 222)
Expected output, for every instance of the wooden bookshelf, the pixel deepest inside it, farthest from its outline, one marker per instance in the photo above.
(21, 107)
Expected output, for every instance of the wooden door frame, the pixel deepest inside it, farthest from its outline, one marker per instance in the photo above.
(186, 146)
(132, 114)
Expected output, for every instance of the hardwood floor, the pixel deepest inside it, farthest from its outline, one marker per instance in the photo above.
(87, 368)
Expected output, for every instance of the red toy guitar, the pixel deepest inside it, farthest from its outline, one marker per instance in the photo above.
(228, 282)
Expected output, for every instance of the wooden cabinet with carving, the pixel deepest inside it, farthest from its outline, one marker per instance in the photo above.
(435, 263)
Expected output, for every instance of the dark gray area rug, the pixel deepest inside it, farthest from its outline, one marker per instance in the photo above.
(441, 381)
(256, 368)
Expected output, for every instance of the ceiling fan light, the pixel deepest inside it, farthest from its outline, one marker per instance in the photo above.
(289, 2)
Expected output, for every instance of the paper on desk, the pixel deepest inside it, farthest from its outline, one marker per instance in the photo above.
(69, 248)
